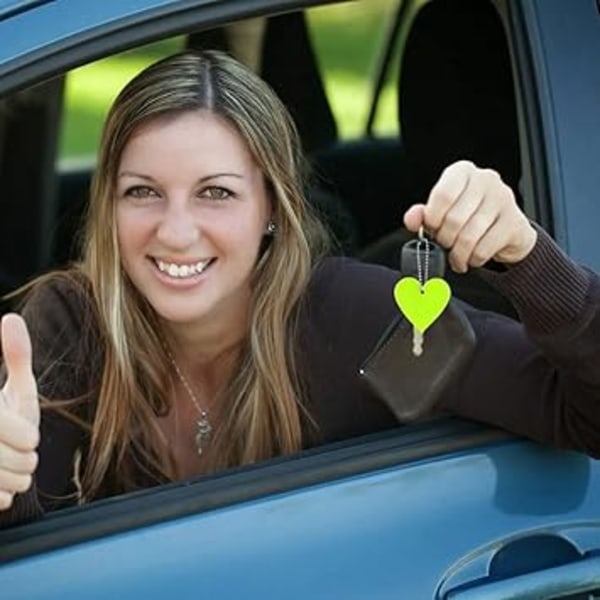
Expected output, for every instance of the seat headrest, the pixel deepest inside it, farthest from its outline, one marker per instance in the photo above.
(290, 66)
(456, 95)
(287, 62)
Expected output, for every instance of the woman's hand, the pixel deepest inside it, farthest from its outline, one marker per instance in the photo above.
(19, 412)
(472, 213)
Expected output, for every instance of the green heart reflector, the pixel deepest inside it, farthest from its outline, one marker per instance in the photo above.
(422, 307)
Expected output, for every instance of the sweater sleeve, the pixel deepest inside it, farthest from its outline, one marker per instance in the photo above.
(539, 378)
(55, 317)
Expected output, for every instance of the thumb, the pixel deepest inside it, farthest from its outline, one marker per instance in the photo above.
(414, 217)
(21, 388)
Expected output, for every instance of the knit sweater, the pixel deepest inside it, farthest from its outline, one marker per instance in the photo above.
(538, 377)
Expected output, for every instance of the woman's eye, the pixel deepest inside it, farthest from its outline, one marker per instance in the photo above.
(216, 193)
(140, 192)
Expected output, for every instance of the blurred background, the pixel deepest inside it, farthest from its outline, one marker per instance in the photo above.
(346, 38)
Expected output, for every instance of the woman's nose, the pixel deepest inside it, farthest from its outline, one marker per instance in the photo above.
(178, 228)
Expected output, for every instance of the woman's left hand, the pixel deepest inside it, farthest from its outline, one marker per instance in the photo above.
(472, 213)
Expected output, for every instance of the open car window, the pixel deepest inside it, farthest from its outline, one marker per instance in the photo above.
(327, 78)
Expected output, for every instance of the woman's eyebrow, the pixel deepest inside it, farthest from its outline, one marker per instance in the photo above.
(201, 180)
(133, 174)
(217, 175)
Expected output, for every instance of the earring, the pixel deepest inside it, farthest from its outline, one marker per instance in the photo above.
(271, 228)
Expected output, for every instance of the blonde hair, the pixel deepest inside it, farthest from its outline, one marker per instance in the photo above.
(263, 414)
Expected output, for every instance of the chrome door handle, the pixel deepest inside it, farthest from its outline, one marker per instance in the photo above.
(577, 577)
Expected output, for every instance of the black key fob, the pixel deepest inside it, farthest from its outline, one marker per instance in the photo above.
(422, 259)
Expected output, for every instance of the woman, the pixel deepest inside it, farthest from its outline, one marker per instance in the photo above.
(204, 328)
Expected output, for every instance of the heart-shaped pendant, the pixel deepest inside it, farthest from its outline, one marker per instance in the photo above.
(422, 306)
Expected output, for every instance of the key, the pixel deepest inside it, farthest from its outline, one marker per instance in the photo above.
(422, 259)
(417, 342)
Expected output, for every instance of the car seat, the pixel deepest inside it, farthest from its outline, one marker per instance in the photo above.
(456, 100)
(29, 126)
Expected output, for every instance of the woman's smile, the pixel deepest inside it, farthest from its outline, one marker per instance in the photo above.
(178, 270)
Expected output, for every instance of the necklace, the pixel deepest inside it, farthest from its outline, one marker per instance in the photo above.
(203, 424)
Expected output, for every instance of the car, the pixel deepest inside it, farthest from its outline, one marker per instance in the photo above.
(443, 508)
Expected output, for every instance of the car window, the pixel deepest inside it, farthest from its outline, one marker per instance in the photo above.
(348, 40)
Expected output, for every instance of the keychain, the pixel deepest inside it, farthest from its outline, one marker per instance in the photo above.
(409, 379)
(422, 294)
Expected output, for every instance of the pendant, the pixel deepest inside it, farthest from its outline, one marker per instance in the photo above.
(203, 432)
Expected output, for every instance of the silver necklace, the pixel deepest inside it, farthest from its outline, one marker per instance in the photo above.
(203, 424)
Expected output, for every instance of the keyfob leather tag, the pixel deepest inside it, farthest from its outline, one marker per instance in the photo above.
(411, 385)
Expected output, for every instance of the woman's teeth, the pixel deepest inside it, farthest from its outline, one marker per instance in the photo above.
(181, 271)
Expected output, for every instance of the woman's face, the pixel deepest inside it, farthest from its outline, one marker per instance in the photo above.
(192, 209)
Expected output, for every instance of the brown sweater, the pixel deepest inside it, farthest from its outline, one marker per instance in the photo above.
(540, 379)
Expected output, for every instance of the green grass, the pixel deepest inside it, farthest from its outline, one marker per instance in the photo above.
(346, 38)
(91, 89)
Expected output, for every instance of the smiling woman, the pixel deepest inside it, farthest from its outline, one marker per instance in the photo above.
(168, 191)
(192, 213)
(197, 183)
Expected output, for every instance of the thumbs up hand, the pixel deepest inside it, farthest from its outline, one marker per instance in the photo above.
(19, 412)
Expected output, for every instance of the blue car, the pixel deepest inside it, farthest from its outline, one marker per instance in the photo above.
(441, 509)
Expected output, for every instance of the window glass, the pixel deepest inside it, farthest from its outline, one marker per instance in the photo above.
(90, 90)
(348, 39)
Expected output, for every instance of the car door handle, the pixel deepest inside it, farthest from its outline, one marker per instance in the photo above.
(577, 577)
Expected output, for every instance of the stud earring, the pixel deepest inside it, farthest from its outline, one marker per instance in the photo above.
(271, 228)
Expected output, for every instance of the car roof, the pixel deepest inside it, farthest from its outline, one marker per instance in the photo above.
(26, 25)
(34, 29)
(29, 27)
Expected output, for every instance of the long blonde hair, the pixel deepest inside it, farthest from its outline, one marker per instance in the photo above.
(263, 415)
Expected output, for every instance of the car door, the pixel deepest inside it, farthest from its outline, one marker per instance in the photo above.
(446, 511)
